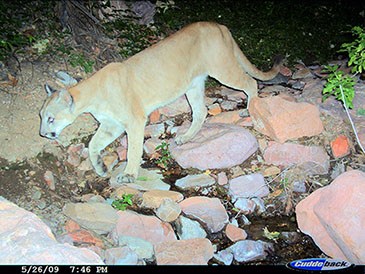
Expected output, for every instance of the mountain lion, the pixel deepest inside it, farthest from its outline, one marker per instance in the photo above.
(122, 95)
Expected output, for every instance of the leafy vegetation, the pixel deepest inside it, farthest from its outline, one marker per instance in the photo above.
(303, 30)
(341, 85)
(336, 81)
(122, 204)
(164, 161)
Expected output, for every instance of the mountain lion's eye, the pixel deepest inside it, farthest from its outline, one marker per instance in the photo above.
(50, 120)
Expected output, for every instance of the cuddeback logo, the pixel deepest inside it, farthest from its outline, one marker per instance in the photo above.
(319, 264)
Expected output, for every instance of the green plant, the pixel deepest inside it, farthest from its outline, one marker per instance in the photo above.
(342, 86)
(80, 60)
(356, 50)
(335, 80)
(122, 204)
(165, 158)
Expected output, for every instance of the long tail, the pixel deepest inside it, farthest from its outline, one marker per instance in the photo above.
(255, 72)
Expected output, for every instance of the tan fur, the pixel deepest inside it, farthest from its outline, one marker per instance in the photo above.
(122, 95)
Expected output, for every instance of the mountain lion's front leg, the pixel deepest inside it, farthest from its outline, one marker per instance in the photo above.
(135, 135)
(106, 134)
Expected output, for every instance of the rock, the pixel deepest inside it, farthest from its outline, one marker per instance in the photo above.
(228, 105)
(148, 228)
(154, 130)
(222, 178)
(282, 120)
(147, 179)
(196, 180)
(334, 217)
(110, 160)
(208, 210)
(168, 211)
(340, 146)
(247, 186)
(225, 256)
(271, 171)
(214, 109)
(141, 247)
(228, 117)
(50, 180)
(248, 250)
(154, 117)
(179, 106)
(150, 147)
(246, 206)
(302, 73)
(120, 256)
(184, 252)
(232, 94)
(74, 154)
(154, 198)
(189, 229)
(215, 146)
(235, 233)
(26, 240)
(81, 236)
(98, 217)
(312, 159)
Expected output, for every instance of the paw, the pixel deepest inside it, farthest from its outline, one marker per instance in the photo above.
(125, 178)
(182, 139)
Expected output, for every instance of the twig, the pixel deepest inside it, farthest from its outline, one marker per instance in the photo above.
(352, 123)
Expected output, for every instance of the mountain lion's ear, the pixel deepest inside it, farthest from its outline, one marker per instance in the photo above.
(66, 79)
(49, 89)
(65, 96)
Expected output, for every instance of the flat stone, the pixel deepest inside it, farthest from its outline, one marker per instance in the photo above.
(196, 180)
(120, 256)
(142, 248)
(147, 179)
(235, 233)
(154, 198)
(189, 229)
(249, 250)
(215, 146)
(283, 120)
(98, 217)
(247, 186)
(208, 210)
(168, 211)
(148, 228)
(184, 252)
(312, 159)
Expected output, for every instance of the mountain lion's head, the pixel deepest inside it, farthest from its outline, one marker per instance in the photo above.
(56, 113)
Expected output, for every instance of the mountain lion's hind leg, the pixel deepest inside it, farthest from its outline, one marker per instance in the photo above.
(105, 135)
(195, 96)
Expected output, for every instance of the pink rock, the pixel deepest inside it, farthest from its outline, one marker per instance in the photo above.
(74, 154)
(340, 146)
(184, 252)
(177, 107)
(235, 233)
(26, 240)
(313, 159)
(215, 146)
(282, 120)
(208, 210)
(334, 216)
(228, 117)
(222, 178)
(148, 228)
(247, 186)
